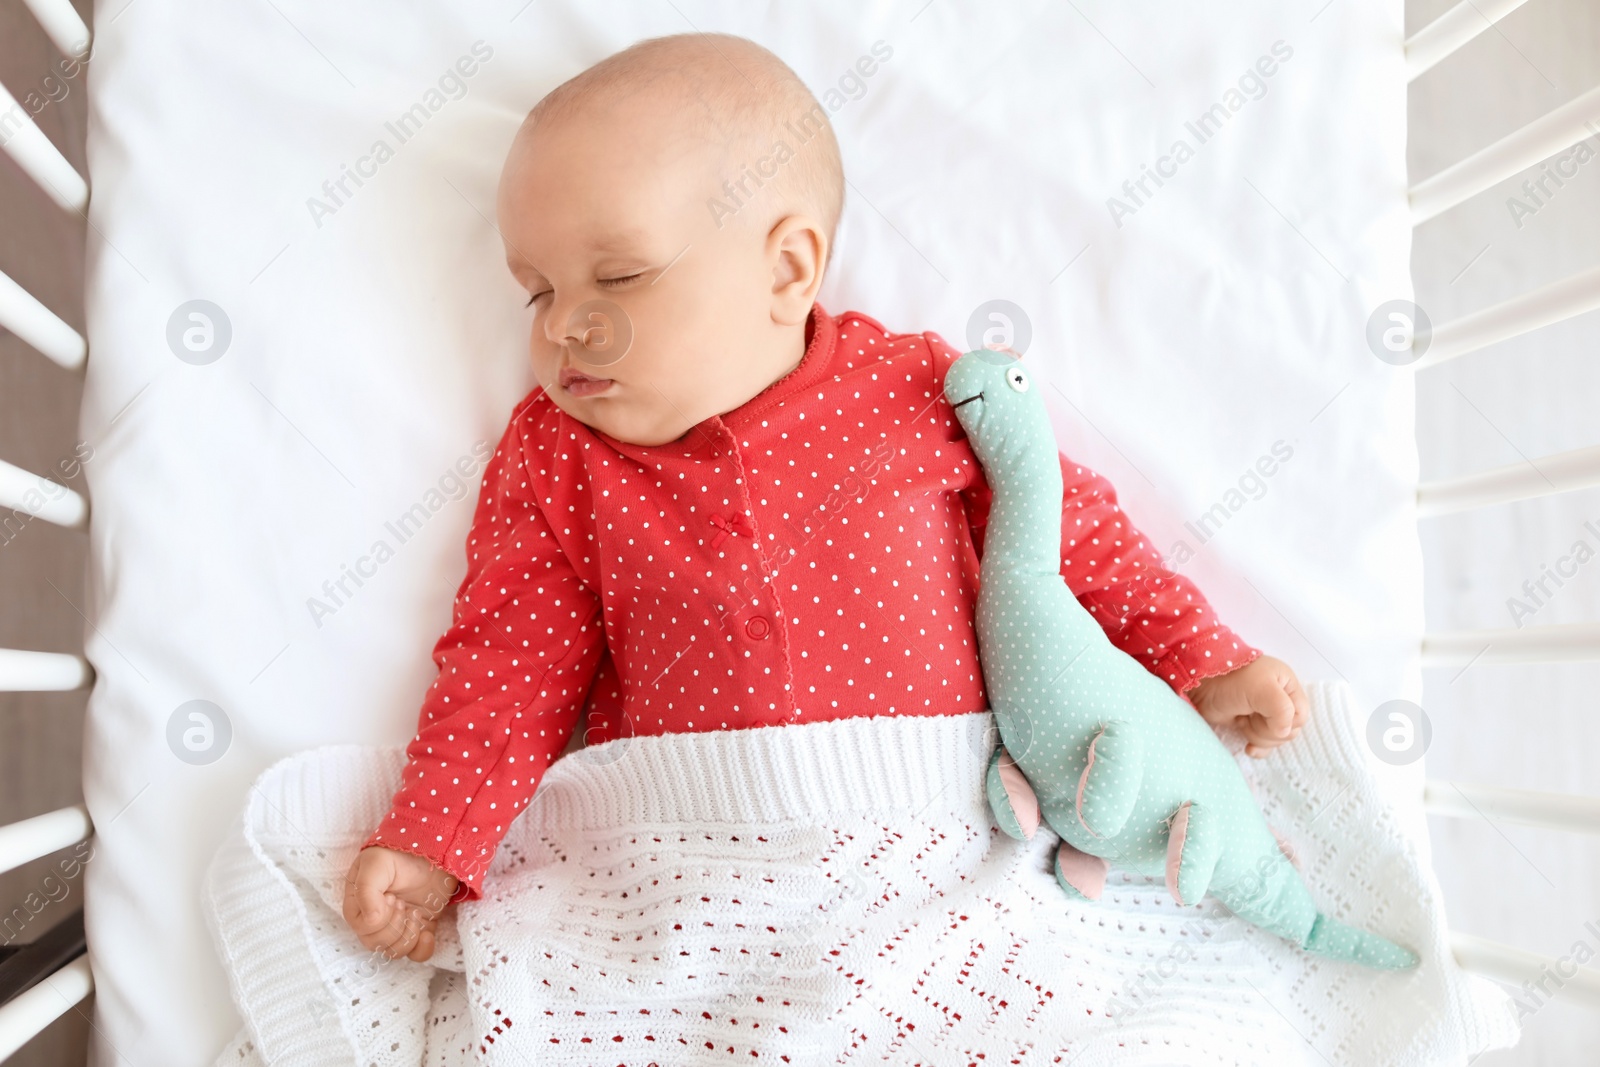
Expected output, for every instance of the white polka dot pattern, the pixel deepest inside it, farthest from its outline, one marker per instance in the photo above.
(1120, 766)
(811, 555)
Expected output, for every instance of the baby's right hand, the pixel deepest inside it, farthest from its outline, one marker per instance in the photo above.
(392, 901)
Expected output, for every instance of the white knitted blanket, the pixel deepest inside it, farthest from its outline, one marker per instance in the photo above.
(826, 893)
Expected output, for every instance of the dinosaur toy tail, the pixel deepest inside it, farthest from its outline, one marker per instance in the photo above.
(1331, 938)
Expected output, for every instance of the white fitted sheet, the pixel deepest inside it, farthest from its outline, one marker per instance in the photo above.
(370, 353)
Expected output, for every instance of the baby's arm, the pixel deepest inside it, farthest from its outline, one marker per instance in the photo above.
(514, 668)
(1161, 618)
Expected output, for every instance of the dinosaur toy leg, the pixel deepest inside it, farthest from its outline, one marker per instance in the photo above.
(1194, 844)
(1079, 874)
(1016, 806)
(1111, 780)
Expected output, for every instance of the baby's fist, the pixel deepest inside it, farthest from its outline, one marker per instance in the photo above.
(392, 901)
(1263, 699)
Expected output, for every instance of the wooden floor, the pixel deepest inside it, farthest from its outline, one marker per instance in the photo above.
(1534, 728)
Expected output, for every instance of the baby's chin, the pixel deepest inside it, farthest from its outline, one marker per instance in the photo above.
(621, 421)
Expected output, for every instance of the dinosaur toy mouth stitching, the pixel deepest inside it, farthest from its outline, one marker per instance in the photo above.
(968, 400)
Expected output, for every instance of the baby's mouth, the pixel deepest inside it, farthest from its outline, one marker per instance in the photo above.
(579, 384)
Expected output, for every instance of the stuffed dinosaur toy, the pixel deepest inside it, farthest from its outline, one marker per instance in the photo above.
(1114, 762)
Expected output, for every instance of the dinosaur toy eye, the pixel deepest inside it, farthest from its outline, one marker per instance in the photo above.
(1017, 380)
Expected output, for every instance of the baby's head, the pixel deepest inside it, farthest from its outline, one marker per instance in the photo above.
(670, 211)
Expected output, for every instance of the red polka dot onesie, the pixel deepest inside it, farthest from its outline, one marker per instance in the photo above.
(811, 555)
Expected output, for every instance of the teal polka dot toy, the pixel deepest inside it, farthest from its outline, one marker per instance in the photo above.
(1094, 745)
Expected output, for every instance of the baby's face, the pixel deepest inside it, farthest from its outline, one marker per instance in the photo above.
(647, 317)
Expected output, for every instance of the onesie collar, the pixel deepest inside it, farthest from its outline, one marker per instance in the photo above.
(711, 436)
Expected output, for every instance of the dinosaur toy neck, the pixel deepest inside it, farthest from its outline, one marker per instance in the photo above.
(1023, 533)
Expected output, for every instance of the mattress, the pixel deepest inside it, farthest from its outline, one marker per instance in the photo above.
(301, 344)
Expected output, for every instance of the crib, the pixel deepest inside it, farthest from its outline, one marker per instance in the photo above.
(45, 978)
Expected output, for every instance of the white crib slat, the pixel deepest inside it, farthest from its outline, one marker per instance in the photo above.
(25, 841)
(42, 498)
(26, 1016)
(25, 316)
(1451, 30)
(38, 158)
(1515, 966)
(1538, 140)
(1531, 311)
(42, 672)
(1561, 473)
(62, 25)
(1532, 644)
(1523, 807)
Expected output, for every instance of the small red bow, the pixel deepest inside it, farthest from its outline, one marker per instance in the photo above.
(735, 523)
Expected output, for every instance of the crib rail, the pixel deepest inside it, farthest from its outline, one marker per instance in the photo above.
(46, 978)
(1522, 807)
(41, 498)
(1441, 38)
(62, 24)
(1561, 473)
(40, 160)
(25, 841)
(1532, 644)
(1522, 314)
(40, 327)
(1540, 139)
(42, 672)
(1557, 130)
(43, 981)
(1517, 966)
(26, 1015)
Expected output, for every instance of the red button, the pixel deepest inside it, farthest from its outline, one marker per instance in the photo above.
(758, 628)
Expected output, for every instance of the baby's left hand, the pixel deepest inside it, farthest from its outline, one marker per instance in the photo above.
(1263, 699)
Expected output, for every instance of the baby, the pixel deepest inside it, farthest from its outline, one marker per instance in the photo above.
(724, 508)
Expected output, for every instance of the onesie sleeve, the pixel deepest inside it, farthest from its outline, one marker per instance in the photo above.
(514, 669)
(1154, 614)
